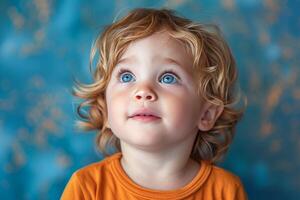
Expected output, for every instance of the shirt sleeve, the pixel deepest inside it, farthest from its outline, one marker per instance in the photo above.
(73, 189)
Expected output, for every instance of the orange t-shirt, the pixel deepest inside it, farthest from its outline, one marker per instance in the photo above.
(107, 180)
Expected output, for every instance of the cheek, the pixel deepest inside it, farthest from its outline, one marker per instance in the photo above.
(182, 108)
(116, 105)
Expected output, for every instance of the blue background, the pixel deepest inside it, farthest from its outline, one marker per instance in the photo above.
(44, 44)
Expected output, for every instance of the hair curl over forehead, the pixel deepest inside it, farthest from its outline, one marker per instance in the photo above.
(213, 65)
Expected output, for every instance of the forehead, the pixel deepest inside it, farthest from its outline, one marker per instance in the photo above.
(158, 47)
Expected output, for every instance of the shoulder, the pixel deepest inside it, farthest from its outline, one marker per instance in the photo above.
(223, 176)
(226, 183)
(86, 181)
(94, 170)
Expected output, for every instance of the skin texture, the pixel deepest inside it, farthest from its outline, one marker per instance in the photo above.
(156, 153)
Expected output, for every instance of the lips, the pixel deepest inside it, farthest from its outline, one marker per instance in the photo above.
(144, 113)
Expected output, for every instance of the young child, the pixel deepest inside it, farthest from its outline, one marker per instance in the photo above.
(163, 98)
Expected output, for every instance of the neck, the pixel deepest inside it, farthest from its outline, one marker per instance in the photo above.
(162, 170)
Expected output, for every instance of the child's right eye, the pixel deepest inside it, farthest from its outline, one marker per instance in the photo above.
(125, 76)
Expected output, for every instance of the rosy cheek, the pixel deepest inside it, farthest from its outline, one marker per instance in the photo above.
(120, 96)
(118, 101)
(172, 105)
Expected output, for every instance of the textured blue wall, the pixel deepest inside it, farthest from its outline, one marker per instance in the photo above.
(43, 44)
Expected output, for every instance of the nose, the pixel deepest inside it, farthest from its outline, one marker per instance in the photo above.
(145, 93)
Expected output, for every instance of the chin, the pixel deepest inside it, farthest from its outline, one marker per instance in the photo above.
(143, 142)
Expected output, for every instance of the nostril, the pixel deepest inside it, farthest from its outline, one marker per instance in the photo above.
(145, 97)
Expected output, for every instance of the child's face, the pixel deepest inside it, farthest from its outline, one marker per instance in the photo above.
(158, 78)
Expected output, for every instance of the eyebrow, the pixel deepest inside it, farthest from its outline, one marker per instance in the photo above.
(166, 60)
(172, 61)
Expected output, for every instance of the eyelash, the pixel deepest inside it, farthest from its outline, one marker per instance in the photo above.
(168, 71)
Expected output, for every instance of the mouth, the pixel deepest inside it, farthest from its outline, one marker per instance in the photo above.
(144, 115)
(145, 118)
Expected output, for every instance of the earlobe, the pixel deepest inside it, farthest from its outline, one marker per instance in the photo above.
(106, 124)
(209, 116)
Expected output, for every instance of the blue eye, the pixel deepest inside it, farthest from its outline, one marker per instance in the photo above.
(168, 79)
(126, 77)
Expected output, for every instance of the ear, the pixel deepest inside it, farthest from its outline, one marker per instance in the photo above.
(209, 116)
(106, 124)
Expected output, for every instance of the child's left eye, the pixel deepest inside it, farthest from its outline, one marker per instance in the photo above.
(168, 78)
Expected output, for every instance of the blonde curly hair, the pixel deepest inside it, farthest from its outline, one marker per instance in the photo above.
(213, 65)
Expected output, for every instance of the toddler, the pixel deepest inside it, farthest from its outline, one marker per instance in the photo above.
(162, 100)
